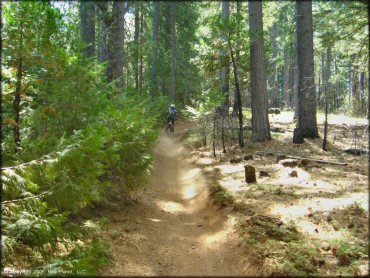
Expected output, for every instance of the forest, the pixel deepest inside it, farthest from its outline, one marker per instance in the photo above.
(262, 171)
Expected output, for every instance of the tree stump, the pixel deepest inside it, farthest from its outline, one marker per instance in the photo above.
(250, 174)
(298, 136)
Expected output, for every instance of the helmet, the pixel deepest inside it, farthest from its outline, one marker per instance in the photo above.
(172, 105)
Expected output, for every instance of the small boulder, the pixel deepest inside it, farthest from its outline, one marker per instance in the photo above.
(236, 159)
(264, 174)
(269, 154)
(248, 157)
(293, 174)
(250, 174)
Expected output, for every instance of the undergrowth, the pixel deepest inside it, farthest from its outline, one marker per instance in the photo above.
(280, 248)
(40, 196)
(220, 196)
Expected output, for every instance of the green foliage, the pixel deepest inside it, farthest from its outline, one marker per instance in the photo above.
(280, 248)
(220, 196)
(348, 252)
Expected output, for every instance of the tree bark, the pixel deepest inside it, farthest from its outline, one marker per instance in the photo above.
(307, 122)
(87, 16)
(275, 83)
(141, 38)
(225, 69)
(118, 39)
(16, 103)
(102, 43)
(291, 84)
(173, 51)
(107, 48)
(238, 97)
(355, 90)
(286, 78)
(237, 52)
(137, 44)
(362, 92)
(260, 121)
(155, 48)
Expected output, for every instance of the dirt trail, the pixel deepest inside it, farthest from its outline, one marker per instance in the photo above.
(173, 229)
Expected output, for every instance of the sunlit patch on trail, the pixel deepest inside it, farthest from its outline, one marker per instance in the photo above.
(310, 229)
(228, 169)
(189, 192)
(155, 219)
(233, 184)
(212, 239)
(285, 179)
(170, 206)
(191, 174)
(204, 161)
(319, 204)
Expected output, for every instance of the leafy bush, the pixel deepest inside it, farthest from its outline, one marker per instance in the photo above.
(220, 196)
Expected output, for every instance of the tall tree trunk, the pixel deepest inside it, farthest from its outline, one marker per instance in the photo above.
(275, 83)
(355, 90)
(260, 120)
(118, 39)
(337, 85)
(173, 51)
(307, 123)
(291, 84)
(296, 107)
(328, 77)
(238, 96)
(286, 78)
(16, 103)
(362, 92)
(237, 54)
(321, 97)
(141, 77)
(225, 70)
(102, 43)
(87, 15)
(107, 47)
(137, 44)
(155, 48)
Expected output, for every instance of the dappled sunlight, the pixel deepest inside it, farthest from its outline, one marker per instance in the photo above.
(233, 185)
(319, 204)
(172, 207)
(229, 169)
(189, 192)
(154, 219)
(211, 240)
(310, 229)
(204, 161)
(190, 174)
(285, 179)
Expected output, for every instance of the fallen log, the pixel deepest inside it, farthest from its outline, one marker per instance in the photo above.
(318, 160)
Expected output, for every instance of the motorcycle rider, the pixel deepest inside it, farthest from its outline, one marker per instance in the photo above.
(171, 114)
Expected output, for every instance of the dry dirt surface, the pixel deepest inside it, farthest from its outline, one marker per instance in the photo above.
(173, 229)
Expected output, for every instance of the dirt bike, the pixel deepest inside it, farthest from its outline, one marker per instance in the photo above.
(170, 128)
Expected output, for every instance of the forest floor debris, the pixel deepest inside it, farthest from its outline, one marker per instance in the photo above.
(304, 217)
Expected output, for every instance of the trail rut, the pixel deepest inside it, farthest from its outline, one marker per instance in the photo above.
(172, 229)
